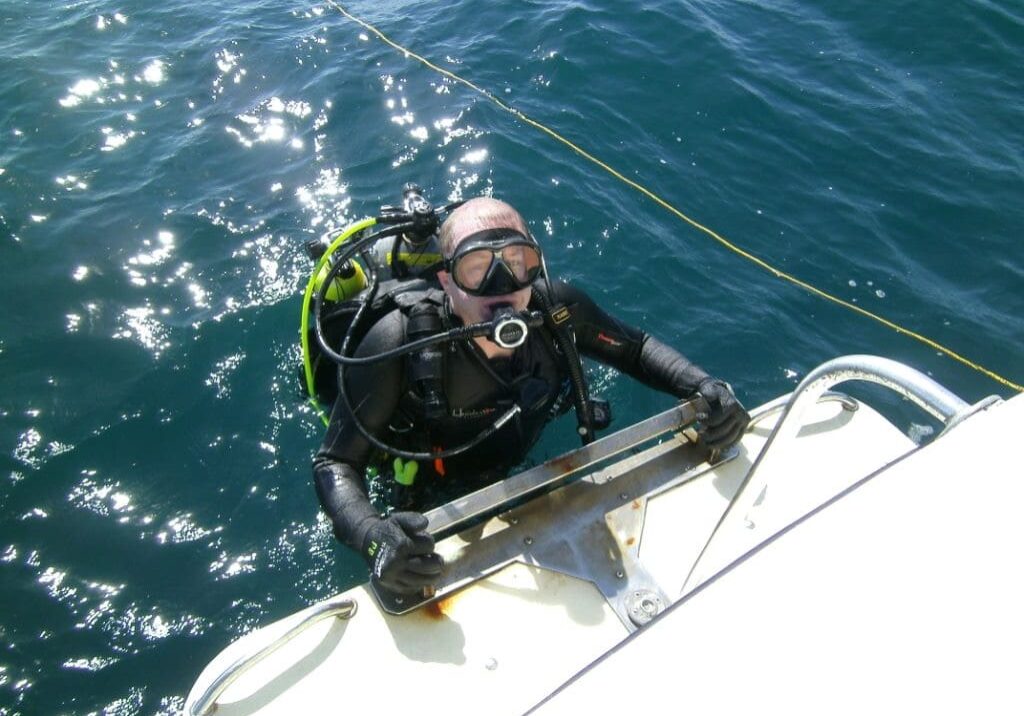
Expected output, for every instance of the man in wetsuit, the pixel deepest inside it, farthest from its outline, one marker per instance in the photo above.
(491, 262)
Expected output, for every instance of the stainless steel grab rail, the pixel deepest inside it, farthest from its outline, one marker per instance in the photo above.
(780, 403)
(904, 380)
(449, 518)
(207, 702)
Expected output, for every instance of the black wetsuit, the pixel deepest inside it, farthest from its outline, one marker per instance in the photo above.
(478, 390)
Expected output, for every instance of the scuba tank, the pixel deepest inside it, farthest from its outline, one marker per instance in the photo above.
(349, 283)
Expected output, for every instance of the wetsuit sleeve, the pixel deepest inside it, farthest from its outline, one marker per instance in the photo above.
(373, 391)
(626, 348)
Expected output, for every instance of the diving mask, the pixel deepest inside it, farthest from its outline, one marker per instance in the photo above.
(495, 262)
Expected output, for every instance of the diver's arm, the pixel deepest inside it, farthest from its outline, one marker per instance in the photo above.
(630, 350)
(397, 548)
(343, 498)
(338, 466)
(655, 364)
(666, 369)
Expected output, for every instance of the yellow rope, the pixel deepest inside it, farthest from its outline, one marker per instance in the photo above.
(664, 204)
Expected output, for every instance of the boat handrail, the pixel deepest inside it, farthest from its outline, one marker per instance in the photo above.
(779, 404)
(902, 379)
(207, 701)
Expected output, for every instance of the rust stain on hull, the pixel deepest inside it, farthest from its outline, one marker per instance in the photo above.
(441, 608)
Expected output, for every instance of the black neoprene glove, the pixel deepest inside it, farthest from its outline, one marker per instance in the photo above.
(727, 420)
(400, 553)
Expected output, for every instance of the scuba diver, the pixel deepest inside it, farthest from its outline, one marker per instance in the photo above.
(467, 407)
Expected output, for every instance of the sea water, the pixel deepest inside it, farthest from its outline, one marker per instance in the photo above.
(162, 164)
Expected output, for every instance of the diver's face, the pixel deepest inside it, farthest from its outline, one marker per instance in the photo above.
(476, 309)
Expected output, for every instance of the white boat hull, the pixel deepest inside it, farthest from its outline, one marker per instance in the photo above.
(505, 639)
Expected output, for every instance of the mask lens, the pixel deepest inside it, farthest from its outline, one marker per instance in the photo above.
(471, 268)
(523, 260)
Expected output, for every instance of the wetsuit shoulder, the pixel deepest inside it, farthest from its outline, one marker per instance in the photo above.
(599, 335)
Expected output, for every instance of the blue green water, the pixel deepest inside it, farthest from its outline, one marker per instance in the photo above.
(161, 164)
